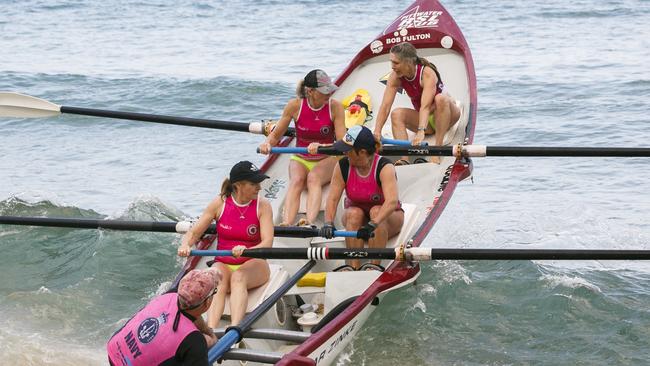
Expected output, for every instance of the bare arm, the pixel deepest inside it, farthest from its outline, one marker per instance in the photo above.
(386, 103)
(208, 333)
(281, 127)
(196, 231)
(389, 189)
(266, 224)
(338, 112)
(337, 185)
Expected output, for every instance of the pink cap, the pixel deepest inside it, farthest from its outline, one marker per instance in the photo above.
(197, 286)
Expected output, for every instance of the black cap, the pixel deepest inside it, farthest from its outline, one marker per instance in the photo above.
(245, 170)
(320, 81)
(358, 137)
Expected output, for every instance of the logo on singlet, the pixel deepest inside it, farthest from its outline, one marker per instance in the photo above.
(149, 328)
(375, 197)
(325, 130)
(252, 230)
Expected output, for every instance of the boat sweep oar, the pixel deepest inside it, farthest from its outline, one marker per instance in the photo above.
(25, 106)
(154, 226)
(234, 333)
(461, 151)
(425, 254)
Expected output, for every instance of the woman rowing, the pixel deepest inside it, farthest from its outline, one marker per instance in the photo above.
(244, 221)
(319, 120)
(372, 205)
(434, 111)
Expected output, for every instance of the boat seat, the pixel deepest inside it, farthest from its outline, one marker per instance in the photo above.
(341, 286)
(277, 277)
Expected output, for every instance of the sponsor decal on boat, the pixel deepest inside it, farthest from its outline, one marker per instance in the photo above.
(398, 37)
(445, 178)
(419, 19)
(336, 342)
(275, 187)
(403, 36)
(414, 18)
(376, 46)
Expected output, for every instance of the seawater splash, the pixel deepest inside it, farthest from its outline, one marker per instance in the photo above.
(59, 285)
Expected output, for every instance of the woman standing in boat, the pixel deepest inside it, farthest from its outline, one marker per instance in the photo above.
(319, 121)
(372, 205)
(244, 221)
(434, 111)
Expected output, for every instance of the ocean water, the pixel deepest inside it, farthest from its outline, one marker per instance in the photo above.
(551, 73)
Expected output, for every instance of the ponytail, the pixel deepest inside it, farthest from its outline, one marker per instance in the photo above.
(301, 89)
(227, 189)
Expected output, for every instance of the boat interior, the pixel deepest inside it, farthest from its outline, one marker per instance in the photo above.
(324, 289)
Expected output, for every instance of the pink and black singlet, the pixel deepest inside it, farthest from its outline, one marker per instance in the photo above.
(314, 126)
(413, 87)
(364, 191)
(238, 225)
(157, 335)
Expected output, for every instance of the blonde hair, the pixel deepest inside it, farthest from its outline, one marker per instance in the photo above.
(227, 189)
(407, 52)
(301, 89)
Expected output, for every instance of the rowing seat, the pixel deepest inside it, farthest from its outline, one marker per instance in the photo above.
(277, 277)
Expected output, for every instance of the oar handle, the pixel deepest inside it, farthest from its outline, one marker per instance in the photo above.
(211, 253)
(287, 150)
(388, 141)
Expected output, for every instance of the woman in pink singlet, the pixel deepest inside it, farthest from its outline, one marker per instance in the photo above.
(319, 121)
(372, 204)
(244, 221)
(434, 110)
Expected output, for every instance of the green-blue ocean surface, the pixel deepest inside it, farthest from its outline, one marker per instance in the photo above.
(551, 73)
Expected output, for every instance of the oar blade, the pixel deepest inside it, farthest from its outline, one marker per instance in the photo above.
(25, 106)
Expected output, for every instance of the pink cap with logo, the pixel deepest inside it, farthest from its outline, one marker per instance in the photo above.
(197, 285)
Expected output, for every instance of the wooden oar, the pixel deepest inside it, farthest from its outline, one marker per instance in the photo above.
(425, 254)
(154, 226)
(482, 151)
(25, 106)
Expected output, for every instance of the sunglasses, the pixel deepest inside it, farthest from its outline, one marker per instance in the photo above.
(204, 300)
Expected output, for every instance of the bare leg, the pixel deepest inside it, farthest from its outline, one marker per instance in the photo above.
(219, 299)
(353, 219)
(251, 274)
(386, 230)
(297, 177)
(319, 176)
(446, 114)
(400, 120)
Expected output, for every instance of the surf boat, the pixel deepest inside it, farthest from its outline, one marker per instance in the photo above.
(313, 321)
